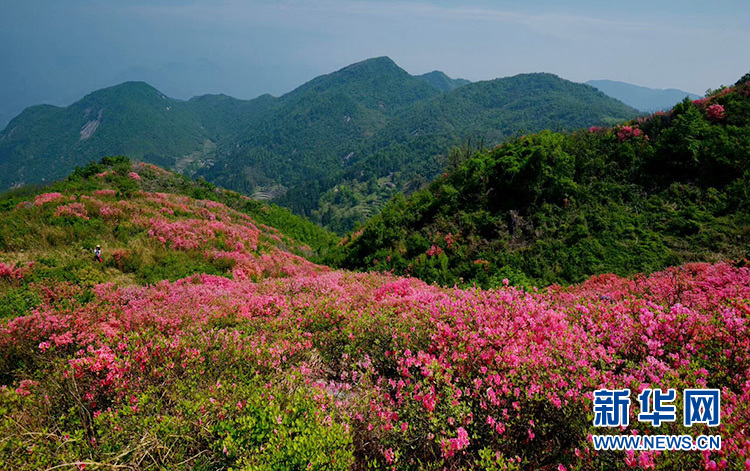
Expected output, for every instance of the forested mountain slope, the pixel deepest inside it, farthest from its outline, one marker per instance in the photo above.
(558, 207)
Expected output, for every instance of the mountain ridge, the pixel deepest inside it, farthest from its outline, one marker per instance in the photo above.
(298, 148)
(642, 98)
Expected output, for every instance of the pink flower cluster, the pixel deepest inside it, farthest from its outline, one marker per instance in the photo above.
(47, 198)
(715, 112)
(10, 271)
(134, 176)
(73, 210)
(109, 212)
(434, 251)
(26, 387)
(625, 133)
(450, 239)
(451, 446)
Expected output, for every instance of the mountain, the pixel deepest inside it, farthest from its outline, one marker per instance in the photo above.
(642, 98)
(334, 149)
(553, 207)
(441, 81)
(413, 148)
(45, 142)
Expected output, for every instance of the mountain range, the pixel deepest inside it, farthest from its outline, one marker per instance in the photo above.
(334, 149)
(642, 98)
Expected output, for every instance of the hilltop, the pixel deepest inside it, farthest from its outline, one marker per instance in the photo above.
(334, 149)
(441, 81)
(153, 225)
(554, 207)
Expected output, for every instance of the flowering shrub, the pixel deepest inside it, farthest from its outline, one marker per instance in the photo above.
(24, 389)
(450, 240)
(625, 133)
(47, 198)
(109, 212)
(715, 112)
(434, 250)
(9, 271)
(134, 176)
(73, 210)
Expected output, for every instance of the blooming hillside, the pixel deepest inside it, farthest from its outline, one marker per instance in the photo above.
(147, 235)
(337, 370)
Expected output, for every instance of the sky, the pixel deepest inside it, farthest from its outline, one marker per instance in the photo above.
(56, 51)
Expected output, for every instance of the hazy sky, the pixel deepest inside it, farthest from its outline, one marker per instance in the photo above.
(58, 50)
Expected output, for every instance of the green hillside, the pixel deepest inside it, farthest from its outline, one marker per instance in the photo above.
(305, 138)
(127, 180)
(557, 207)
(335, 149)
(45, 143)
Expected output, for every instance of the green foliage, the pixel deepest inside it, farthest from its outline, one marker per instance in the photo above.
(219, 416)
(267, 437)
(559, 207)
(15, 302)
(173, 265)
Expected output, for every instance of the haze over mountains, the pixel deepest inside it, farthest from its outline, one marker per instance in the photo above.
(642, 98)
(333, 149)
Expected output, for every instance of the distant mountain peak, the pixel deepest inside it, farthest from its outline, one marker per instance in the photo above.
(375, 66)
(441, 81)
(642, 98)
(376, 83)
(132, 85)
(380, 61)
(126, 91)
